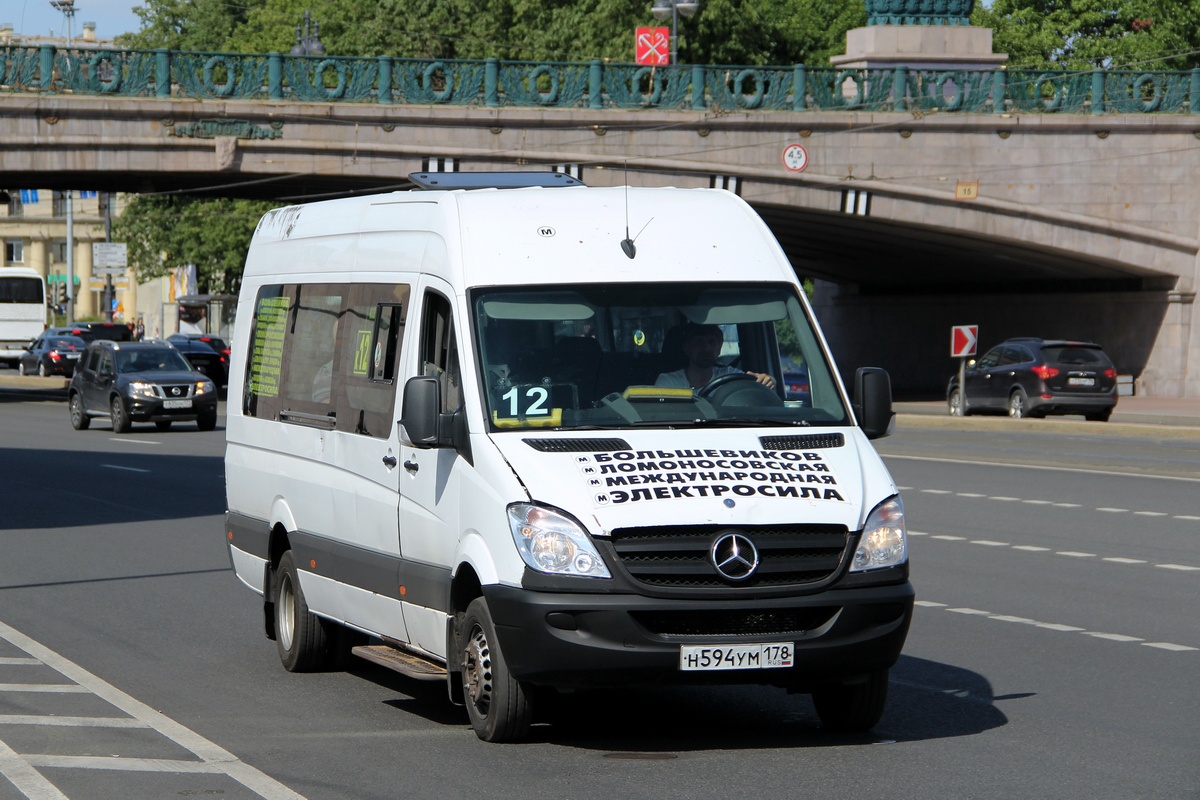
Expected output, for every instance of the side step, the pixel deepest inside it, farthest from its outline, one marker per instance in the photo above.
(405, 663)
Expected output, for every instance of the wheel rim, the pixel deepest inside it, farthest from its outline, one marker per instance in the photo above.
(285, 612)
(956, 404)
(76, 410)
(1016, 407)
(116, 413)
(477, 671)
(42, 370)
(20, 367)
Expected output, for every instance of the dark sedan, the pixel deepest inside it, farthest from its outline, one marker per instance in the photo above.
(140, 382)
(208, 355)
(51, 355)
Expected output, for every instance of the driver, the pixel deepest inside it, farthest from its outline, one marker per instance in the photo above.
(702, 346)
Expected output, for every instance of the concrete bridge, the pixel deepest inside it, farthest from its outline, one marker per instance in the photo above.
(1054, 215)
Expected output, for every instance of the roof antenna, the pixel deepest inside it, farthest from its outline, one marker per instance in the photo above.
(627, 244)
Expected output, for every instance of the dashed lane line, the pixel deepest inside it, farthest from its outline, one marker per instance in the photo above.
(21, 769)
(1057, 627)
(1037, 502)
(1033, 548)
(1043, 468)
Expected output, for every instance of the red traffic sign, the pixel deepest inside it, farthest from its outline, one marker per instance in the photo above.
(795, 157)
(653, 47)
(963, 339)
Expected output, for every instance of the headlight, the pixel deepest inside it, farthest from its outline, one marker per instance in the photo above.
(204, 387)
(551, 543)
(884, 540)
(144, 389)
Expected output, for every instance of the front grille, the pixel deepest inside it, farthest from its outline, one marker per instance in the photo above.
(185, 390)
(760, 622)
(678, 556)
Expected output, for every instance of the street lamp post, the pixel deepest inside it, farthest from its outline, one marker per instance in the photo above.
(67, 7)
(671, 9)
(308, 38)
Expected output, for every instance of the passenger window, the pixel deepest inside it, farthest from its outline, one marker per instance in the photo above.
(439, 350)
(264, 362)
(369, 340)
(106, 363)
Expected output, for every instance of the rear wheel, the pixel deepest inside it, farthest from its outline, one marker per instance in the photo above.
(120, 419)
(300, 635)
(852, 708)
(497, 703)
(1018, 404)
(958, 404)
(41, 369)
(1099, 416)
(79, 418)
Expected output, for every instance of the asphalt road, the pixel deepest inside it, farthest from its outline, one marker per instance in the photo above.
(1054, 652)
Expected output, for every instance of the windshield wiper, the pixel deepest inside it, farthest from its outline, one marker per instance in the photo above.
(738, 422)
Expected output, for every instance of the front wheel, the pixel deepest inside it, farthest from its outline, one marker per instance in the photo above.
(207, 420)
(79, 418)
(852, 708)
(1018, 404)
(300, 636)
(21, 369)
(497, 703)
(119, 417)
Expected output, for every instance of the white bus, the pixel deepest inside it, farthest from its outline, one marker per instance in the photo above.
(22, 311)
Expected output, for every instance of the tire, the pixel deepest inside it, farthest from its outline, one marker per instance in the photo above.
(300, 636)
(1018, 404)
(21, 369)
(118, 415)
(41, 370)
(163, 424)
(79, 418)
(207, 420)
(1099, 416)
(958, 404)
(497, 704)
(852, 708)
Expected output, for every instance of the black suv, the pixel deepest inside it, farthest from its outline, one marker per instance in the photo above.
(1030, 377)
(140, 382)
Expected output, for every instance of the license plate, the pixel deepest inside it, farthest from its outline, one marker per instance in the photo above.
(177, 403)
(698, 658)
(73, 356)
(1081, 381)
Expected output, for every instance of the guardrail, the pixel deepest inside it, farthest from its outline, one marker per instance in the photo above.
(594, 85)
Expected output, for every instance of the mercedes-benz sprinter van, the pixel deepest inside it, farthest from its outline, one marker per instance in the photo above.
(538, 438)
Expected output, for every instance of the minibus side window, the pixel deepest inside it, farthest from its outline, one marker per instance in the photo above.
(369, 339)
(264, 362)
(439, 350)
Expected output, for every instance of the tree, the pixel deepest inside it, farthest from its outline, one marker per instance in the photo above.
(213, 233)
(1090, 34)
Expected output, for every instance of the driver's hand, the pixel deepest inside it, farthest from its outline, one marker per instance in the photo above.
(763, 378)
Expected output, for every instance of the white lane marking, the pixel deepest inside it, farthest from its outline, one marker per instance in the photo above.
(937, 491)
(124, 764)
(1039, 502)
(1114, 510)
(1058, 627)
(1004, 499)
(1033, 548)
(969, 494)
(21, 774)
(1067, 505)
(131, 440)
(19, 661)
(71, 722)
(1185, 516)
(1169, 646)
(1150, 513)
(126, 469)
(208, 752)
(1046, 469)
(51, 688)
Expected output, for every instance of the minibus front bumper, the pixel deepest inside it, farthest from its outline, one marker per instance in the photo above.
(569, 639)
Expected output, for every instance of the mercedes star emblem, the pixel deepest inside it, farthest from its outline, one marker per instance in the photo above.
(734, 556)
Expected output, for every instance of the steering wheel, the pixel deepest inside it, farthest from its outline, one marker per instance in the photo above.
(716, 383)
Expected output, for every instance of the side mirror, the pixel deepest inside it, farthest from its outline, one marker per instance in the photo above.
(422, 401)
(873, 401)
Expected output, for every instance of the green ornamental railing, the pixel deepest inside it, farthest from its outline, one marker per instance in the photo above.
(596, 85)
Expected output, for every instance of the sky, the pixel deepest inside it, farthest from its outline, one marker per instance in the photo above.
(39, 18)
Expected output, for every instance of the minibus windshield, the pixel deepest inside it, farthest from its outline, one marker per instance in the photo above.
(588, 356)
